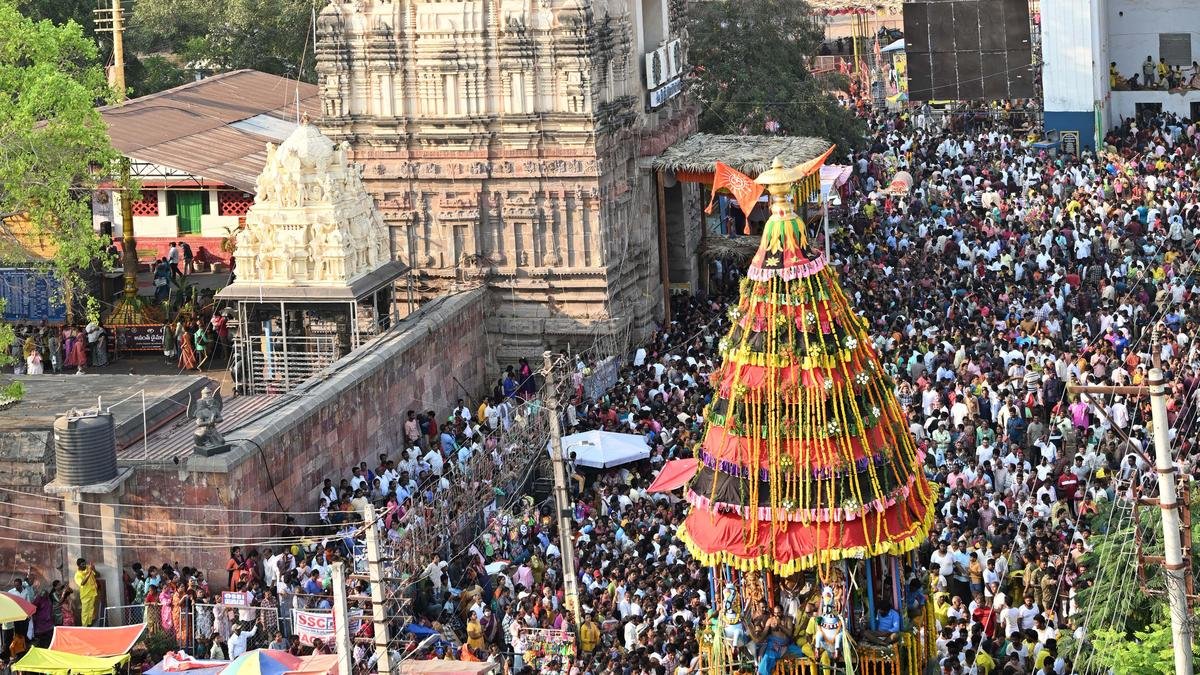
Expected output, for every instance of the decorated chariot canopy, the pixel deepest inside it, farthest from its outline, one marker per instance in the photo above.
(807, 458)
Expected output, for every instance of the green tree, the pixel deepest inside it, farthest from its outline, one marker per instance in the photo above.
(274, 36)
(1150, 651)
(153, 74)
(53, 142)
(751, 66)
(1124, 622)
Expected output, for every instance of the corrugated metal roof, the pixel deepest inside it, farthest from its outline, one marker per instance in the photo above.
(174, 440)
(273, 127)
(190, 128)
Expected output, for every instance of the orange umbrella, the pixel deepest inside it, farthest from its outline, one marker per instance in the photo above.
(14, 608)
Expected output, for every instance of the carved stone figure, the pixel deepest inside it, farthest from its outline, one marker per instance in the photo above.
(207, 412)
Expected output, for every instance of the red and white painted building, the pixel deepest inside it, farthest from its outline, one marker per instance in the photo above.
(196, 151)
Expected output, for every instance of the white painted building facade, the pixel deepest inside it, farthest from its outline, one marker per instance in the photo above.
(1082, 37)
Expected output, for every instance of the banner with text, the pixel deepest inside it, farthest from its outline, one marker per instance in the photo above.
(320, 624)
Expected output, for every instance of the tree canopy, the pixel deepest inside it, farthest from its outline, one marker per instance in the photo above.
(166, 39)
(274, 36)
(1127, 627)
(53, 146)
(53, 142)
(751, 63)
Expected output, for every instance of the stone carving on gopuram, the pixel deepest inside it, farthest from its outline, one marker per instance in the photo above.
(312, 222)
(502, 141)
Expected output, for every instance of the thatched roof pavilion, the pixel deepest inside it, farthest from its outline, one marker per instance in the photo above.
(694, 158)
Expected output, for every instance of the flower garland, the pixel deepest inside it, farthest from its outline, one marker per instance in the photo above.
(805, 420)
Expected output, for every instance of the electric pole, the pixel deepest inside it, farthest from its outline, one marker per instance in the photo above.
(1174, 563)
(341, 620)
(1174, 567)
(127, 310)
(378, 607)
(562, 499)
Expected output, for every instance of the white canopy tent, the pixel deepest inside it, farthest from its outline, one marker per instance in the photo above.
(604, 449)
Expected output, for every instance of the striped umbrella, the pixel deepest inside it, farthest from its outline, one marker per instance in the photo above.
(14, 608)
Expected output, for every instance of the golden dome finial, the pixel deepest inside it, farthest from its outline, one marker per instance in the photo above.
(778, 179)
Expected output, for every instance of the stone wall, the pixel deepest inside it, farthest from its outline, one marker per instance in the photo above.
(353, 415)
(188, 514)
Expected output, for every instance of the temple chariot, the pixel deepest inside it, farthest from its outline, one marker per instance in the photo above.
(809, 498)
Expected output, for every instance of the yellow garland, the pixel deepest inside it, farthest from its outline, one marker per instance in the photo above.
(807, 413)
(822, 559)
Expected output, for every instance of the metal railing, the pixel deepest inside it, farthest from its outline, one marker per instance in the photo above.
(199, 623)
(285, 364)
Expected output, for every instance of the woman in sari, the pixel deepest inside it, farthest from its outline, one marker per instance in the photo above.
(204, 617)
(66, 607)
(187, 355)
(222, 617)
(166, 608)
(525, 379)
(151, 612)
(79, 351)
(100, 356)
(69, 340)
(183, 612)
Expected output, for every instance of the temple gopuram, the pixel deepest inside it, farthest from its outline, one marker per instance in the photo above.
(809, 498)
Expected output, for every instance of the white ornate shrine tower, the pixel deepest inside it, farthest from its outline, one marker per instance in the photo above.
(504, 143)
(314, 275)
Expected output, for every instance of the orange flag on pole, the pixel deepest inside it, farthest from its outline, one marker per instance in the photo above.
(741, 186)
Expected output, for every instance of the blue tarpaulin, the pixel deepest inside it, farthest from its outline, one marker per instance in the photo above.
(31, 295)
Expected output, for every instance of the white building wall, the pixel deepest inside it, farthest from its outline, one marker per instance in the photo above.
(1134, 25)
(1124, 103)
(1069, 43)
(1104, 49)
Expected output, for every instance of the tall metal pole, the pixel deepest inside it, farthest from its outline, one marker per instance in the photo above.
(825, 219)
(1174, 566)
(126, 312)
(341, 620)
(378, 609)
(562, 499)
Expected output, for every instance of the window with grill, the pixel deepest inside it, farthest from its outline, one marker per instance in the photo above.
(147, 205)
(1176, 48)
(232, 203)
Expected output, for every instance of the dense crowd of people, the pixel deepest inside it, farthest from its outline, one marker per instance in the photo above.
(1003, 275)
(45, 349)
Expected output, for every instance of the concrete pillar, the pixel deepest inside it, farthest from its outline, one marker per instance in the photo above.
(113, 552)
(71, 518)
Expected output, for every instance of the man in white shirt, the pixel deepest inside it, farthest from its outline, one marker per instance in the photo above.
(633, 629)
(434, 459)
(271, 567)
(1027, 611)
(238, 640)
(463, 412)
(943, 561)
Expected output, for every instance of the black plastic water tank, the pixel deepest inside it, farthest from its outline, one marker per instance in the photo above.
(85, 448)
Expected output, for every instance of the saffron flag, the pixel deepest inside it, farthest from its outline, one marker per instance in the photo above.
(815, 164)
(741, 186)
